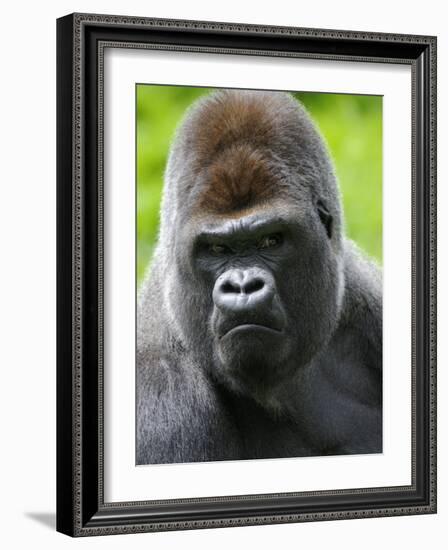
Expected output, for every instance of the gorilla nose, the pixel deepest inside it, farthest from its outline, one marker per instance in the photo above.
(243, 290)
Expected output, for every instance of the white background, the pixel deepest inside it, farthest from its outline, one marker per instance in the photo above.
(27, 220)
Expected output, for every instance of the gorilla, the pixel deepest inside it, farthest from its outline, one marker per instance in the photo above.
(259, 325)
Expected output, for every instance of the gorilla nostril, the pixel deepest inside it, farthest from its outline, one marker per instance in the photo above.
(250, 287)
(229, 287)
(253, 286)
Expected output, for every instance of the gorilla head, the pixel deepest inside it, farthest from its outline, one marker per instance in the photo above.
(250, 243)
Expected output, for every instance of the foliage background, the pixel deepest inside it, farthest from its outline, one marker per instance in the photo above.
(351, 125)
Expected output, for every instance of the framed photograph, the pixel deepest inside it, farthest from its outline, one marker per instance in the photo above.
(246, 274)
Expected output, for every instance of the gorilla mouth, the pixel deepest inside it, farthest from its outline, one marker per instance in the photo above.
(250, 327)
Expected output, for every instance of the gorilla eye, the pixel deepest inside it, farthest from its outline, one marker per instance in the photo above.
(270, 241)
(325, 217)
(219, 249)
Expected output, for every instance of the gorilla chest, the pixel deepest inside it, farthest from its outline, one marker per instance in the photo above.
(263, 435)
(328, 418)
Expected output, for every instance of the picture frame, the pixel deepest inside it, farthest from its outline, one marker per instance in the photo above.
(81, 506)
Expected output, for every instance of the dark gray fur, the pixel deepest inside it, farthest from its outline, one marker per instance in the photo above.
(324, 392)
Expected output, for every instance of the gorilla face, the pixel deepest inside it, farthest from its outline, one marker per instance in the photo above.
(264, 270)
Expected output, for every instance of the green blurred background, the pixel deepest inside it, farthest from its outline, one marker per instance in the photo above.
(351, 125)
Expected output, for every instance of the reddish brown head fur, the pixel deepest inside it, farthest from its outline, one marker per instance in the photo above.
(234, 140)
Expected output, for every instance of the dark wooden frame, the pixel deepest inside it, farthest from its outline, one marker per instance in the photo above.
(81, 509)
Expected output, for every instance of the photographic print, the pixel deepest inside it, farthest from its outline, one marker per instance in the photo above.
(259, 274)
(246, 274)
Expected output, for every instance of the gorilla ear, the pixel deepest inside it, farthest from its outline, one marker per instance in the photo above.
(325, 217)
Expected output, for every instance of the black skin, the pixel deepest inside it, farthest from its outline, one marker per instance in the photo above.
(259, 329)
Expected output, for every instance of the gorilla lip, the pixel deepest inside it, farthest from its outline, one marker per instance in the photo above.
(243, 327)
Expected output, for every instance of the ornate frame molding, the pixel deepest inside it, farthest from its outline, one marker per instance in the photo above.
(81, 42)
